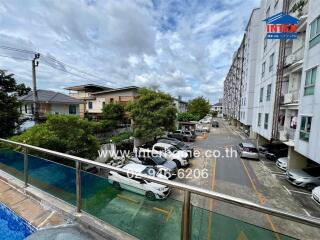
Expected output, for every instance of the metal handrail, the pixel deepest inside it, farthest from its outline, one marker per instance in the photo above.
(310, 221)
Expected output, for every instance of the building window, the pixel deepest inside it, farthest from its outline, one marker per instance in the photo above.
(310, 81)
(261, 94)
(269, 92)
(305, 128)
(259, 119)
(72, 109)
(90, 105)
(271, 62)
(314, 32)
(26, 108)
(111, 100)
(265, 44)
(263, 69)
(266, 120)
(103, 104)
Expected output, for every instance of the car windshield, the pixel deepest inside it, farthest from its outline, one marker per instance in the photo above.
(149, 171)
(159, 160)
(180, 145)
(172, 149)
(314, 172)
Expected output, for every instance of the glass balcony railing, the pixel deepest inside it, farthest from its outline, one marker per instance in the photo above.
(136, 215)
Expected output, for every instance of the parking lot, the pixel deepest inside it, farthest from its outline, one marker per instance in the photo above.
(258, 181)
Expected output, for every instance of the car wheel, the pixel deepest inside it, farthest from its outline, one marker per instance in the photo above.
(310, 186)
(177, 163)
(116, 185)
(150, 196)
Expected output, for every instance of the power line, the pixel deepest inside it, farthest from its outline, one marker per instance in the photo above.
(15, 57)
(47, 59)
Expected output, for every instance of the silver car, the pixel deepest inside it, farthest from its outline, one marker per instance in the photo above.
(307, 178)
(282, 163)
(248, 150)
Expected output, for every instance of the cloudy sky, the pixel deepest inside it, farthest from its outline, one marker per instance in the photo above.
(181, 47)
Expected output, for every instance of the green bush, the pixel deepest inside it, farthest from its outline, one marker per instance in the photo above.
(186, 117)
(63, 133)
(120, 137)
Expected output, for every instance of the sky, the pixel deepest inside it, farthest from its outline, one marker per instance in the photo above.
(184, 48)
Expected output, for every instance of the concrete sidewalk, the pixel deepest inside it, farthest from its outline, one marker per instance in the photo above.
(31, 210)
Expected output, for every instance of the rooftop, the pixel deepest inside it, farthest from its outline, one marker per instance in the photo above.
(88, 87)
(46, 96)
(117, 90)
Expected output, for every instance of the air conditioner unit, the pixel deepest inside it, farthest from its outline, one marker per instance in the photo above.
(290, 59)
(283, 135)
(288, 98)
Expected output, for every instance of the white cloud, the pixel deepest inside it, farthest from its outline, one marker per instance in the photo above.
(184, 48)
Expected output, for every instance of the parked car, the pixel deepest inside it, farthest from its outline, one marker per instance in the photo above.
(169, 152)
(282, 163)
(138, 185)
(248, 150)
(186, 136)
(215, 124)
(275, 145)
(178, 144)
(308, 178)
(316, 195)
(274, 153)
(165, 167)
(205, 120)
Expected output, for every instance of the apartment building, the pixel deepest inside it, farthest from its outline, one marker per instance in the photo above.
(232, 87)
(251, 46)
(181, 106)
(286, 86)
(307, 133)
(266, 76)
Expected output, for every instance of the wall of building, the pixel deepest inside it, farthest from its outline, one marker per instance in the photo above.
(123, 97)
(252, 45)
(263, 55)
(310, 105)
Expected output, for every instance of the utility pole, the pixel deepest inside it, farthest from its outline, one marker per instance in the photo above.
(34, 86)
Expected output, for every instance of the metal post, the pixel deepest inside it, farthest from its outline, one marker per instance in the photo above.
(25, 166)
(186, 216)
(78, 185)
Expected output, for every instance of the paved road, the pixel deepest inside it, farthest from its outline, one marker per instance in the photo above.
(246, 179)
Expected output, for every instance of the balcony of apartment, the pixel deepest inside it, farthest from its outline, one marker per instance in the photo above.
(294, 58)
(287, 125)
(108, 208)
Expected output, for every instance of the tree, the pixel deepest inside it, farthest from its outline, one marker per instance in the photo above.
(113, 114)
(9, 105)
(63, 133)
(199, 107)
(152, 113)
(186, 117)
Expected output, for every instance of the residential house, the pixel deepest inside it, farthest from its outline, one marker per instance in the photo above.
(50, 102)
(84, 92)
(96, 98)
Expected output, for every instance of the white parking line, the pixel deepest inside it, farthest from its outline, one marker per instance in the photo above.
(278, 173)
(306, 212)
(305, 193)
(287, 189)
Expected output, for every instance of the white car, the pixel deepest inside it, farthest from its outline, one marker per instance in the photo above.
(138, 185)
(316, 195)
(282, 163)
(169, 152)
